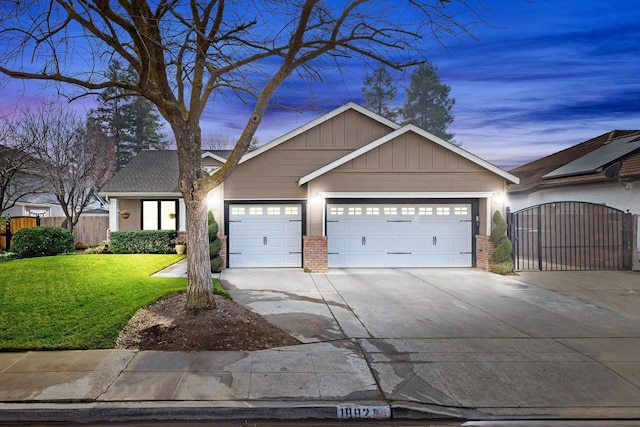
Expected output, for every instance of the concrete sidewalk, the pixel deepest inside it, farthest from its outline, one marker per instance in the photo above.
(401, 343)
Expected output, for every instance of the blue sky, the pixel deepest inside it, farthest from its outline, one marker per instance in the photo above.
(540, 75)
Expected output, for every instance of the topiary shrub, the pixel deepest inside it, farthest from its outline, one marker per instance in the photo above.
(33, 242)
(215, 244)
(499, 228)
(141, 241)
(501, 256)
(503, 268)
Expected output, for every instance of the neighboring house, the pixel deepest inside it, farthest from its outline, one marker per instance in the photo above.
(582, 199)
(348, 189)
(25, 187)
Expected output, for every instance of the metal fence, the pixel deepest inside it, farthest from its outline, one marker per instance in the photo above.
(571, 236)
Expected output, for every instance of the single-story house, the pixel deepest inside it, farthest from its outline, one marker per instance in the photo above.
(574, 209)
(348, 189)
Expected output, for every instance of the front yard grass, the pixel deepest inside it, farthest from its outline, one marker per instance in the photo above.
(77, 301)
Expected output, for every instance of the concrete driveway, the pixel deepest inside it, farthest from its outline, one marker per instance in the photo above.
(462, 338)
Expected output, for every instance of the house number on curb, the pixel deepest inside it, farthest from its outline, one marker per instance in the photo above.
(354, 412)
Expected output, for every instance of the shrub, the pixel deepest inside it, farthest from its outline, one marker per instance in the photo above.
(502, 252)
(6, 256)
(501, 256)
(499, 228)
(503, 268)
(141, 241)
(215, 244)
(33, 242)
(102, 248)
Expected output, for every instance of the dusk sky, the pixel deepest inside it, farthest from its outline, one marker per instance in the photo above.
(540, 75)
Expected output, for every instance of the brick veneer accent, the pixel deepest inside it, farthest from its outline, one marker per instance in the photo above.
(315, 258)
(223, 251)
(484, 249)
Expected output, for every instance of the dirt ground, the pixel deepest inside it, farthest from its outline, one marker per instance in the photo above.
(167, 326)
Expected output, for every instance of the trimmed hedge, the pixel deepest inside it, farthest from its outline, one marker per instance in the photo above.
(31, 242)
(142, 241)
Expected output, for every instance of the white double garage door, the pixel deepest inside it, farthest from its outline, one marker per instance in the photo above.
(359, 235)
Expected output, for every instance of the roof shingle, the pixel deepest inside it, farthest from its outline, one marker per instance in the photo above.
(531, 174)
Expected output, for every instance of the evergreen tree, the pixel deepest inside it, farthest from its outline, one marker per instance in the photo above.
(378, 91)
(428, 104)
(131, 122)
(215, 244)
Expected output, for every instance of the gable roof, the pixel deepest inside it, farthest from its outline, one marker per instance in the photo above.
(583, 163)
(404, 129)
(316, 122)
(152, 172)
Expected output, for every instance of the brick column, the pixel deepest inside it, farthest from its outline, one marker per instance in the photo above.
(484, 249)
(315, 258)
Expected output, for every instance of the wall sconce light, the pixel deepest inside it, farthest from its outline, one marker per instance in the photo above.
(124, 214)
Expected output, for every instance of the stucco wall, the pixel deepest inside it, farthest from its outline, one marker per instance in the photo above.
(611, 194)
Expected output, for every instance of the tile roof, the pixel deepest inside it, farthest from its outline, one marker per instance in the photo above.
(531, 174)
(150, 171)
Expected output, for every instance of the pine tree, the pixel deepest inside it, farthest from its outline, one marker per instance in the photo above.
(131, 122)
(378, 91)
(428, 104)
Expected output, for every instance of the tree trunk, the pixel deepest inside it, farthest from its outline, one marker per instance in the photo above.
(199, 279)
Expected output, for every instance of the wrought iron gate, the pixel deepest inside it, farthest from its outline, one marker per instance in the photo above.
(570, 236)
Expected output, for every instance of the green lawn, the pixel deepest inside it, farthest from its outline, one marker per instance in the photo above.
(77, 301)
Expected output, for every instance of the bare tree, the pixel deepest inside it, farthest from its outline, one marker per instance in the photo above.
(19, 174)
(223, 141)
(218, 140)
(183, 51)
(75, 162)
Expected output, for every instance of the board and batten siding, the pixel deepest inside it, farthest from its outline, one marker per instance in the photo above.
(274, 174)
(408, 164)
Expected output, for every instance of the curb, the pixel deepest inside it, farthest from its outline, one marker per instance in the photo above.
(92, 412)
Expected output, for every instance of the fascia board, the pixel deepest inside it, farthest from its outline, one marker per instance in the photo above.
(362, 150)
(214, 156)
(138, 195)
(316, 122)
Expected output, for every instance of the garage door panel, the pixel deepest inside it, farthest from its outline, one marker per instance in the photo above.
(266, 235)
(401, 235)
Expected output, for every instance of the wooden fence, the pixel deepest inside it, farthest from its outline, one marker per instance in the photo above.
(90, 230)
(17, 223)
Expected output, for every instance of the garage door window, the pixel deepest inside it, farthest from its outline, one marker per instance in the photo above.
(425, 211)
(291, 210)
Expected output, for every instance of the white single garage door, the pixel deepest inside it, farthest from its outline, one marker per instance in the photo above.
(265, 235)
(399, 235)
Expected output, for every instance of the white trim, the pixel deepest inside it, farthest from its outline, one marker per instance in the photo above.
(114, 209)
(407, 195)
(213, 156)
(258, 200)
(409, 128)
(316, 122)
(182, 215)
(489, 216)
(143, 195)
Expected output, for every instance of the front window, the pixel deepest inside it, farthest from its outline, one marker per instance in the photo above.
(159, 214)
